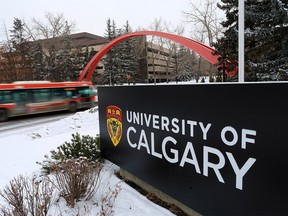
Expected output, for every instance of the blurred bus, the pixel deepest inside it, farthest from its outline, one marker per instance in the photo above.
(31, 97)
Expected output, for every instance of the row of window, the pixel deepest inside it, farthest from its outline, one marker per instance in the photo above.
(42, 95)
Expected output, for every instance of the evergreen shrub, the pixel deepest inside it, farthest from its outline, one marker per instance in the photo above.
(79, 146)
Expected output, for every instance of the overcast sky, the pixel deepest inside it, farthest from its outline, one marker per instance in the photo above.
(91, 15)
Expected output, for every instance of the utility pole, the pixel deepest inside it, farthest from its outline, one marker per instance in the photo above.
(241, 42)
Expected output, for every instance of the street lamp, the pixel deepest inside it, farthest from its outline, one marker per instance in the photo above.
(241, 42)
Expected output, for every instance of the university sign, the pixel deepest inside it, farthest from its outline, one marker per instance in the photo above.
(169, 145)
(220, 149)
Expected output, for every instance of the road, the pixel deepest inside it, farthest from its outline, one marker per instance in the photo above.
(29, 123)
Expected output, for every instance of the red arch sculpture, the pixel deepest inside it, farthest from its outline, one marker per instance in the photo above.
(201, 49)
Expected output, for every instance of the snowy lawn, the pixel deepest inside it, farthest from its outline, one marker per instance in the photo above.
(19, 154)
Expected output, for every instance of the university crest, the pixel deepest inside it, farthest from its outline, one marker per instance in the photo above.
(114, 123)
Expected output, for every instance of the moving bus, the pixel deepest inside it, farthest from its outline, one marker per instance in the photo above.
(31, 97)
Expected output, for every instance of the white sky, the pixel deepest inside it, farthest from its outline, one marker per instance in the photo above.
(91, 15)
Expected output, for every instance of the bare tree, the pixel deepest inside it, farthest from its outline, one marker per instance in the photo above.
(55, 25)
(172, 47)
(206, 24)
(205, 16)
(57, 50)
(157, 25)
(14, 54)
(41, 59)
(7, 61)
(159, 44)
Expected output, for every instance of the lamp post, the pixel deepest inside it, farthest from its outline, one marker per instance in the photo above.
(241, 42)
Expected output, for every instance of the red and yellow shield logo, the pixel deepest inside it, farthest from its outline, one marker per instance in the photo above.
(114, 123)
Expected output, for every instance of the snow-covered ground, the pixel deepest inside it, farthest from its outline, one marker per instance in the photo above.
(20, 152)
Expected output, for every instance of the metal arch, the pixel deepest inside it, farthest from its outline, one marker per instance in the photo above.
(201, 49)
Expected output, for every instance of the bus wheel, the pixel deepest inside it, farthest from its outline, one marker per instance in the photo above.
(3, 115)
(73, 107)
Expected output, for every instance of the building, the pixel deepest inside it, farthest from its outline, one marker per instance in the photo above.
(90, 41)
(156, 62)
(81, 40)
(161, 64)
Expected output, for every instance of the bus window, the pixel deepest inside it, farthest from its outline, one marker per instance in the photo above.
(70, 92)
(40, 95)
(5, 97)
(20, 97)
(1, 98)
(33, 97)
(84, 92)
(57, 94)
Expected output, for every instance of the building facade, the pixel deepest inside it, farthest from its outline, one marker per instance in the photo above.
(92, 42)
(156, 63)
(161, 65)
